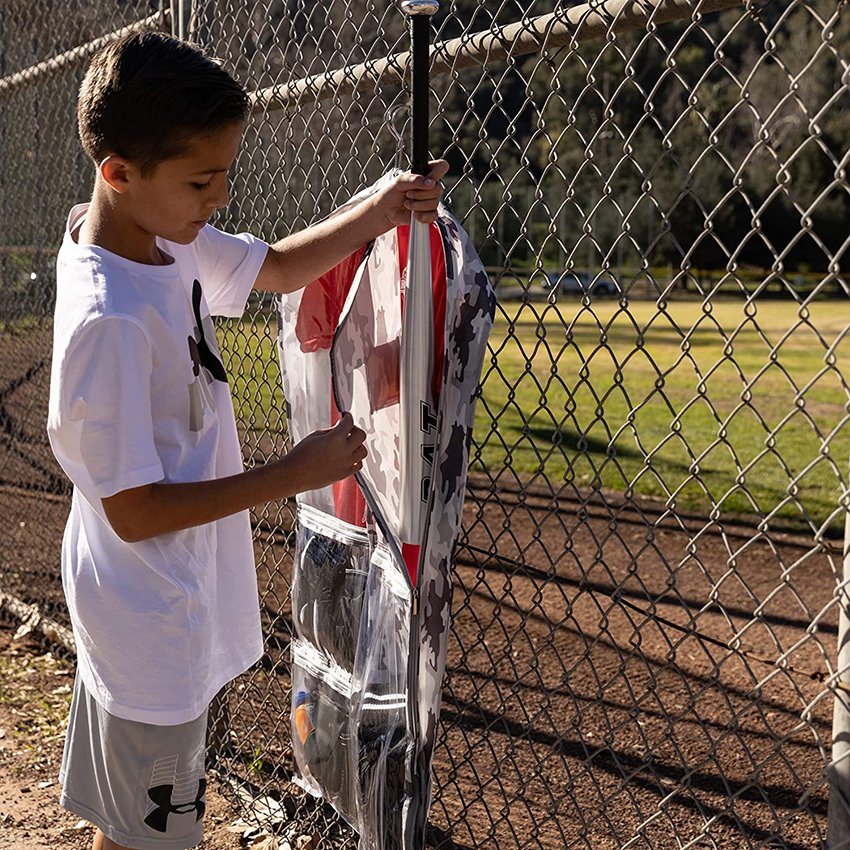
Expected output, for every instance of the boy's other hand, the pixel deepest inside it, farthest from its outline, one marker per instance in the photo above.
(327, 456)
(412, 193)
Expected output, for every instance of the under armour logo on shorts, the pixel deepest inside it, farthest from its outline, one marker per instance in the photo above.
(162, 795)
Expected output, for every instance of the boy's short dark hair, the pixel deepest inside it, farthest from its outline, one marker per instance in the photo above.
(146, 96)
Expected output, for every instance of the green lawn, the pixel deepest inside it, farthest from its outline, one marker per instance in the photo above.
(249, 352)
(706, 410)
(720, 410)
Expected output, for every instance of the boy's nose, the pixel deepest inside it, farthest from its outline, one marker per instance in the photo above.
(221, 198)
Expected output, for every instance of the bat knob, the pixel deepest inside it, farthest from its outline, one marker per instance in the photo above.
(420, 7)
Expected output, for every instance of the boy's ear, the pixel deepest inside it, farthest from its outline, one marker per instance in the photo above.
(116, 172)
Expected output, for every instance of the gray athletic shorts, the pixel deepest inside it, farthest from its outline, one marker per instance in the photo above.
(143, 785)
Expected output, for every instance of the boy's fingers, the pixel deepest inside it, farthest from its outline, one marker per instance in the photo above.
(357, 435)
(424, 194)
(410, 182)
(420, 206)
(346, 422)
(439, 168)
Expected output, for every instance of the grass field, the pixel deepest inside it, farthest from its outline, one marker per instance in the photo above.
(727, 410)
(705, 409)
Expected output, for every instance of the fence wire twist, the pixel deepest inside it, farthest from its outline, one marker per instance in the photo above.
(649, 579)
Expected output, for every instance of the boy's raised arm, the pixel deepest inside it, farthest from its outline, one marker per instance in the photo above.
(304, 256)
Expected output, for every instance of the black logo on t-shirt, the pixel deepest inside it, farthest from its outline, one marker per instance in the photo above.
(199, 349)
(161, 795)
(203, 357)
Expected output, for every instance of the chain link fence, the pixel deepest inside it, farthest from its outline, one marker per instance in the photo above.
(649, 578)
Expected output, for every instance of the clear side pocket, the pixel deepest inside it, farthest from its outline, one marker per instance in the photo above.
(379, 705)
(332, 564)
(320, 720)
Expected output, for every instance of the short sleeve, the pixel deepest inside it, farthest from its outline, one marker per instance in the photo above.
(229, 265)
(105, 402)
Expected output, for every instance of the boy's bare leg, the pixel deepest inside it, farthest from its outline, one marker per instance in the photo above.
(101, 842)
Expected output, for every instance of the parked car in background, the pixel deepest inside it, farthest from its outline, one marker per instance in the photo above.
(580, 283)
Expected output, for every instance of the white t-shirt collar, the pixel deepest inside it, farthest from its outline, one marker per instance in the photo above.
(75, 219)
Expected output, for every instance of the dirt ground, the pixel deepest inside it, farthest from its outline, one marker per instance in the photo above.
(615, 677)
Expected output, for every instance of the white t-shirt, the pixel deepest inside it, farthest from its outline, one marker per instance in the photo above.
(138, 395)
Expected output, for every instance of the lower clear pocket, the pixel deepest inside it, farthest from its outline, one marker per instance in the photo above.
(381, 792)
(320, 719)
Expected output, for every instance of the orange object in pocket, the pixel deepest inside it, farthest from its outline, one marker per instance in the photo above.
(304, 716)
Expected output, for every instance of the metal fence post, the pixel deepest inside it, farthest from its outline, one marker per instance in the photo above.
(839, 770)
(181, 19)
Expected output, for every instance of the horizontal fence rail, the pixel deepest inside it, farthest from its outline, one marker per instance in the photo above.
(78, 55)
(571, 26)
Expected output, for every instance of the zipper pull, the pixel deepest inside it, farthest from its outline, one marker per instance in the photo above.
(414, 602)
(371, 531)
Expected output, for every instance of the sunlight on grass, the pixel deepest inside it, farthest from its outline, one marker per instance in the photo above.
(707, 410)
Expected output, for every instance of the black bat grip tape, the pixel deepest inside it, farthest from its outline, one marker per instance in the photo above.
(420, 36)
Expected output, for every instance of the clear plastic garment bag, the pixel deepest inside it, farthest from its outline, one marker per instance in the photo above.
(372, 577)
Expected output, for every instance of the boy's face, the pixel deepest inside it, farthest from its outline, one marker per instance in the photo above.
(175, 201)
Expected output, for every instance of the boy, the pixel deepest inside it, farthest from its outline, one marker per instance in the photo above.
(157, 560)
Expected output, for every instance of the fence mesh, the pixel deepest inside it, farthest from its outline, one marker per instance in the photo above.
(649, 576)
